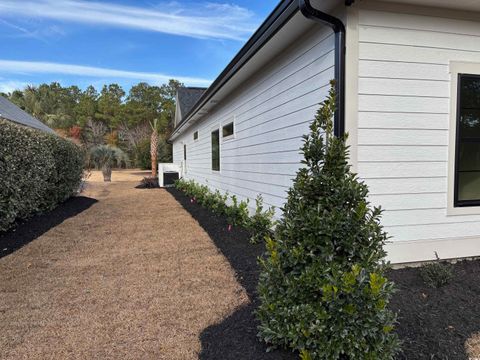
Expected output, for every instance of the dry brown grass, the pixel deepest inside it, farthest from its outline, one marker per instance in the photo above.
(472, 346)
(120, 175)
(132, 277)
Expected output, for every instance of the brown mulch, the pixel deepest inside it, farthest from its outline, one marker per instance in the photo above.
(131, 277)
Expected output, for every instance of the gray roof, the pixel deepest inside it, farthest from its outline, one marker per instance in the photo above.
(187, 97)
(12, 112)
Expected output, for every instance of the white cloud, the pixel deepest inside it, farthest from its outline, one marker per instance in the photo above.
(41, 33)
(34, 67)
(207, 20)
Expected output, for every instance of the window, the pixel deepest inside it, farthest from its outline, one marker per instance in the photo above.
(227, 130)
(216, 150)
(467, 149)
(184, 151)
(195, 135)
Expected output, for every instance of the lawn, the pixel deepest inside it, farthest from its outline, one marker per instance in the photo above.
(132, 276)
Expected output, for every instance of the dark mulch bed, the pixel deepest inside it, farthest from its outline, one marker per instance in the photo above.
(235, 337)
(433, 323)
(27, 231)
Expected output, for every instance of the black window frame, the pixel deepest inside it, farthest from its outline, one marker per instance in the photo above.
(185, 152)
(215, 162)
(456, 201)
(195, 135)
(232, 124)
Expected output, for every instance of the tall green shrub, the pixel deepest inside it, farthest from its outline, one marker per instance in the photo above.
(322, 288)
(37, 172)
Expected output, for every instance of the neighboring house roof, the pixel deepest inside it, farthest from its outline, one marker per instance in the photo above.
(187, 97)
(12, 112)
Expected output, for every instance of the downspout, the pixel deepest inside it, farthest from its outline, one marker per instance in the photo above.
(339, 29)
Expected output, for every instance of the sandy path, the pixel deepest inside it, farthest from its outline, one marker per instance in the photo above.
(132, 277)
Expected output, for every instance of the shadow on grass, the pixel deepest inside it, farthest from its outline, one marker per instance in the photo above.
(236, 336)
(27, 231)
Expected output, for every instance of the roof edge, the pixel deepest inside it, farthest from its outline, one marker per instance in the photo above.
(274, 22)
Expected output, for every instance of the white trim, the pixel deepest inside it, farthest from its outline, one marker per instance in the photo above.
(402, 252)
(457, 67)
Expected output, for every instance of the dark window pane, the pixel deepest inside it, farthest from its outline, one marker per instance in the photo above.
(228, 130)
(470, 92)
(184, 152)
(216, 150)
(467, 185)
(195, 135)
(468, 156)
(469, 124)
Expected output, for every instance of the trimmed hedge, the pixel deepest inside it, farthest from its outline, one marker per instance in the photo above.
(37, 172)
(259, 224)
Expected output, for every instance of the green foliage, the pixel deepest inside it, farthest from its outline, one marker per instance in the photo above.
(110, 104)
(237, 212)
(110, 112)
(261, 221)
(436, 274)
(37, 172)
(143, 157)
(322, 288)
(106, 156)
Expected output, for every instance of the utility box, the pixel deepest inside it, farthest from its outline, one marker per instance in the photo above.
(168, 173)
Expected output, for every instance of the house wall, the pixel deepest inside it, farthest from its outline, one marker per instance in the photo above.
(403, 131)
(271, 111)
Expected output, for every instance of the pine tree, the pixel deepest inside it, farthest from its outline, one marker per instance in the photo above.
(322, 289)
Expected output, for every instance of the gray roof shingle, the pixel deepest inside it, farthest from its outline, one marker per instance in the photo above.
(187, 97)
(12, 112)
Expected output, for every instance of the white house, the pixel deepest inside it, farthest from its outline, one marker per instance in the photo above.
(408, 75)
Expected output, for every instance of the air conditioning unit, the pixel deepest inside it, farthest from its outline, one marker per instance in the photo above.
(168, 173)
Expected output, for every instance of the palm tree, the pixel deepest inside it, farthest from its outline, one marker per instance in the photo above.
(106, 157)
(154, 146)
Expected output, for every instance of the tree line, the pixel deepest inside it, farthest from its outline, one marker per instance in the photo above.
(109, 117)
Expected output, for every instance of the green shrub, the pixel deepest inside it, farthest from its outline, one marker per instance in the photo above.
(261, 222)
(322, 288)
(236, 212)
(37, 172)
(436, 274)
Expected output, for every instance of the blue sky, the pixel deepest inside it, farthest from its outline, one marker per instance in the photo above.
(83, 42)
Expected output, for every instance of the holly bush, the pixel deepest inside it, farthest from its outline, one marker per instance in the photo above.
(322, 289)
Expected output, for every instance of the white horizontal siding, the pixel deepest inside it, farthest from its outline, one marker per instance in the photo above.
(404, 90)
(272, 111)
